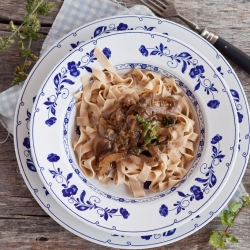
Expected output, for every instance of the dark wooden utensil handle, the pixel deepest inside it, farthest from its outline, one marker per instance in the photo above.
(234, 54)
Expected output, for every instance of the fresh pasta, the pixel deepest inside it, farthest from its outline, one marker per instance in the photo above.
(137, 129)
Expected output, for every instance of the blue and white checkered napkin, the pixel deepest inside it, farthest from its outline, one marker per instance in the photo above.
(72, 15)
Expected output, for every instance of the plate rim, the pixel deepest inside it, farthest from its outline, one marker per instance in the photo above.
(175, 223)
(120, 17)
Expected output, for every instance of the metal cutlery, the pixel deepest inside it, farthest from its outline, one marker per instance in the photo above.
(166, 8)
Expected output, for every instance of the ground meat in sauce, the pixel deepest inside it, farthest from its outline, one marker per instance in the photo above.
(134, 127)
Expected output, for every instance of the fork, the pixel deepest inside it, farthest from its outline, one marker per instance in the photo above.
(166, 8)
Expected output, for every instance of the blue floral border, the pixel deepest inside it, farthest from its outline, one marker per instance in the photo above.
(62, 78)
(80, 202)
(184, 58)
(26, 143)
(208, 181)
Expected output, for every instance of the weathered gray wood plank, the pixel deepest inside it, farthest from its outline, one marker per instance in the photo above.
(19, 7)
(40, 232)
(10, 59)
(23, 223)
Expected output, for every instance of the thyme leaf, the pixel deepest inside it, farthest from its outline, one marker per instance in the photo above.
(150, 129)
(228, 216)
(27, 31)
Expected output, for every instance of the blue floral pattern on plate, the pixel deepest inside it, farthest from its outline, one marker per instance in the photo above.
(153, 236)
(70, 190)
(157, 236)
(26, 143)
(238, 106)
(120, 27)
(184, 58)
(197, 192)
(107, 52)
(73, 68)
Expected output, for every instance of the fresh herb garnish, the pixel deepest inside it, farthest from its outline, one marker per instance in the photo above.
(150, 129)
(148, 139)
(169, 120)
(228, 216)
(27, 31)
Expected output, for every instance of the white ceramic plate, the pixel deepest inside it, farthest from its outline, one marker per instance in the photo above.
(109, 208)
(22, 144)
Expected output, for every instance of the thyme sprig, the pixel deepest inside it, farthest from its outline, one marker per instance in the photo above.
(228, 216)
(27, 31)
(150, 129)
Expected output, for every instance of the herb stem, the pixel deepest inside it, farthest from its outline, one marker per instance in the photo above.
(14, 32)
(21, 25)
(221, 239)
(30, 41)
(28, 30)
(227, 228)
(36, 8)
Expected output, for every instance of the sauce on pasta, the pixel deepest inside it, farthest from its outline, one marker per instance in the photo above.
(136, 129)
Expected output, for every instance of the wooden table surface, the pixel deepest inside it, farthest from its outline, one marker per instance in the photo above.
(23, 223)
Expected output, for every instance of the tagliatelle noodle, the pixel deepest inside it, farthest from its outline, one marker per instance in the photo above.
(103, 93)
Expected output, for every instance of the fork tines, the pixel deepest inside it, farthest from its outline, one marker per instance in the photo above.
(161, 7)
